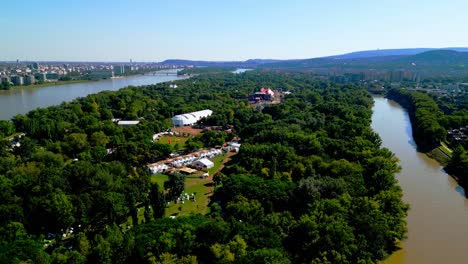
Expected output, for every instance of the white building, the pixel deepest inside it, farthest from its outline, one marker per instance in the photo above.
(190, 118)
(203, 163)
(127, 123)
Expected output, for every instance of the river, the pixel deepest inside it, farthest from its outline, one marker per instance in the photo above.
(23, 100)
(438, 215)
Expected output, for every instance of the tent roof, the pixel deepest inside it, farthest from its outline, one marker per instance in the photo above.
(206, 162)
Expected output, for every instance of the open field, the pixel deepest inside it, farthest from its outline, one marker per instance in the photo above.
(187, 130)
(172, 140)
(193, 184)
(445, 149)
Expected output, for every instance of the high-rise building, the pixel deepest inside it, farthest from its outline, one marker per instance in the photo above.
(119, 70)
(128, 68)
(100, 74)
(42, 76)
(17, 80)
(29, 79)
(52, 76)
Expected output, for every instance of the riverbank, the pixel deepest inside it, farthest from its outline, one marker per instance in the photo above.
(20, 101)
(438, 208)
(429, 124)
(55, 83)
(47, 84)
(441, 153)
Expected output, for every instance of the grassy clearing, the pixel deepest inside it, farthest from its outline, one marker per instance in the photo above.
(193, 184)
(439, 155)
(445, 149)
(159, 179)
(218, 161)
(173, 140)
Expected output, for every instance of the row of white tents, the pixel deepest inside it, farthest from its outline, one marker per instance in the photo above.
(184, 161)
(211, 154)
(191, 159)
(159, 168)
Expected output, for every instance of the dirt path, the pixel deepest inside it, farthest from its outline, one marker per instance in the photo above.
(228, 157)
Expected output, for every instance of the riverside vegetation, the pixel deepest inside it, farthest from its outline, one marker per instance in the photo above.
(311, 183)
(431, 117)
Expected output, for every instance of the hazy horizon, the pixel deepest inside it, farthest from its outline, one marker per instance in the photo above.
(149, 62)
(152, 31)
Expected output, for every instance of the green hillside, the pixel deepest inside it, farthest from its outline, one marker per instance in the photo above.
(436, 61)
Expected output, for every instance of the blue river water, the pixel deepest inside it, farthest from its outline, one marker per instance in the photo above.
(23, 100)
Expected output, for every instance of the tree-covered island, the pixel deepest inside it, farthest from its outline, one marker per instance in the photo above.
(310, 183)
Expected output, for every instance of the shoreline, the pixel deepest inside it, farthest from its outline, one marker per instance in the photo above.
(47, 84)
(56, 83)
(23, 100)
(432, 154)
(421, 178)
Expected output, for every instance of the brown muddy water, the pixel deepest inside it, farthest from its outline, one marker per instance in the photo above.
(438, 215)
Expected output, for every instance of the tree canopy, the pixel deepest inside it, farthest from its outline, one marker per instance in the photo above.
(310, 184)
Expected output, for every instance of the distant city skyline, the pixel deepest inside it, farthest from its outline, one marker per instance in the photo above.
(156, 30)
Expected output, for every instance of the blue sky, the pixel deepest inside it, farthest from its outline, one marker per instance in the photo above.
(155, 30)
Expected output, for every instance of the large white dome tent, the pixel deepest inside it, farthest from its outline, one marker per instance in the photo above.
(189, 119)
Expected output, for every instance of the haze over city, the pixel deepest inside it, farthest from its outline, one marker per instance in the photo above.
(146, 30)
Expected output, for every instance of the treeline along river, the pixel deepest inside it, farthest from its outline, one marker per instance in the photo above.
(23, 100)
(438, 215)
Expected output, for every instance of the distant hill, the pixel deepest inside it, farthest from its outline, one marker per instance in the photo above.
(435, 61)
(391, 52)
(366, 54)
(427, 61)
(380, 53)
(438, 57)
(252, 63)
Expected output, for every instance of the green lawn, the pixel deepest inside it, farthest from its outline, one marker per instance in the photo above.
(218, 161)
(193, 184)
(445, 148)
(174, 140)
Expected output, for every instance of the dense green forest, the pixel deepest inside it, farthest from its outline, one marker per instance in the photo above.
(425, 115)
(310, 184)
(431, 117)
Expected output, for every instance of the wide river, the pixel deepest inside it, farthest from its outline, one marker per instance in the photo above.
(23, 100)
(438, 215)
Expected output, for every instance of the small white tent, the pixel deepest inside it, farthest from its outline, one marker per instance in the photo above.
(203, 163)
